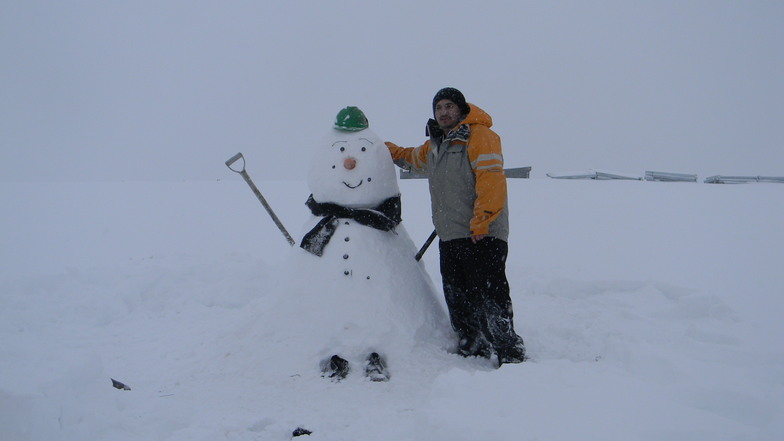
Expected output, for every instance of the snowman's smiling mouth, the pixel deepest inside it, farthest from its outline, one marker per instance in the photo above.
(352, 186)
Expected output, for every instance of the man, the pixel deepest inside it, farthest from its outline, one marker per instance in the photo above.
(464, 165)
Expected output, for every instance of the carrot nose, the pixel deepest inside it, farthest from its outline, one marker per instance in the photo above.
(349, 163)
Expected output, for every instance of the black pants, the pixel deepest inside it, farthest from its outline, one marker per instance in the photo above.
(477, 291)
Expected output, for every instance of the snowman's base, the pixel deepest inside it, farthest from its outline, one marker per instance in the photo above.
(337, 368)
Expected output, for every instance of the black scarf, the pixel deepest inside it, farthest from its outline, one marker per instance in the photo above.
(461, 133)
(385, 217)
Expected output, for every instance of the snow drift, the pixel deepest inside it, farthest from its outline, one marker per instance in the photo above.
(650, 310)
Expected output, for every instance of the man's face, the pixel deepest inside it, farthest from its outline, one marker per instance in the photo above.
(447, 114)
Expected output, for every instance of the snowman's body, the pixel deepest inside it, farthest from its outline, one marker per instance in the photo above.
(365, 292)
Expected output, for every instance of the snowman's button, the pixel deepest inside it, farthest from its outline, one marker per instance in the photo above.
(345, 256)
(346, 223)
(346, 239)
(346, 272)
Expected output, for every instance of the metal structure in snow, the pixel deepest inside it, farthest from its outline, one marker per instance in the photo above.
(743, 179)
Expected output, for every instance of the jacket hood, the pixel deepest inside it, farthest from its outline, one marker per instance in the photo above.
(477, 116)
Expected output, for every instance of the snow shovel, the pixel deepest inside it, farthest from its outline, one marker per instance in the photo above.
(425, 246)
(256, 191)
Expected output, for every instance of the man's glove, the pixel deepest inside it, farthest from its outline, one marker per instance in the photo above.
(432, 129)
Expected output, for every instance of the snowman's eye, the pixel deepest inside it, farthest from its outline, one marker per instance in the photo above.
(363, 149)
(342, 149)
(369, 179)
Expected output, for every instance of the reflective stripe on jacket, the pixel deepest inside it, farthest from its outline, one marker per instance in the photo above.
(467, 183)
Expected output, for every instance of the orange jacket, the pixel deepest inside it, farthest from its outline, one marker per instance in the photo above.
(467, 180)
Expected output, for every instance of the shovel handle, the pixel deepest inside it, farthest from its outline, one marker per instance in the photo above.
(234, 159)
(424, 248)
(258, 194)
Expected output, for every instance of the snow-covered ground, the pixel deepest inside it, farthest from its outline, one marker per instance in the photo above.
(651, 311)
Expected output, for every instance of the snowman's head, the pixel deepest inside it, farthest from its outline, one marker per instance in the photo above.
(352, 167)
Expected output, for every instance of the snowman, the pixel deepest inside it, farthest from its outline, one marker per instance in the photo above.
(360, 298)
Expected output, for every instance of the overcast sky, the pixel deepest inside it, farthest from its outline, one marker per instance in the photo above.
(95, 90)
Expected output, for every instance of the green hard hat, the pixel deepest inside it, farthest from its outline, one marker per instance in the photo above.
(351, 119)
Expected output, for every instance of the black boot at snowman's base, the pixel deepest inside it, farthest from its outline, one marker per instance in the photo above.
(357, 295)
